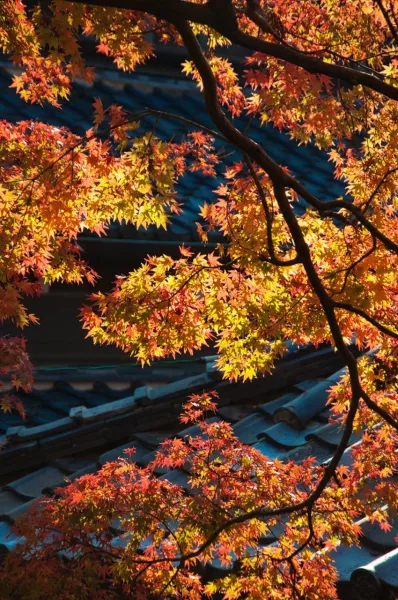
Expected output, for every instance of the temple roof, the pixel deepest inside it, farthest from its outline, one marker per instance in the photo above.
(177, 96)
(78, 419)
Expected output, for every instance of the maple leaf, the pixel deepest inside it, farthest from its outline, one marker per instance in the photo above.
(315, 274)
(99, 113)
(385, 526)
(185, 251)
(213, 260)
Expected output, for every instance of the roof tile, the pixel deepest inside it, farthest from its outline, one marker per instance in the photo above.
(70, 465)
(372, 573)
(195, 430)
(248, 429)
(281, 440)
(171, 390)
(117, 407)
(8, 540)
(269, 408)
(177, 477)
(331, 434)
(146, 459)
(235, 413)
(306, 406)
(347, 559)
(271, 450)
(114, 454)
(150, 439)
(9, 500)
(12, 515)
(287, 436)
(23, 434)
(307, 384)
(376, 537)
(32, 485)
(77, 114)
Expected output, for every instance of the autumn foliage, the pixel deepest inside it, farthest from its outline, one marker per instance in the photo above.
(322, 72)
(126, 533)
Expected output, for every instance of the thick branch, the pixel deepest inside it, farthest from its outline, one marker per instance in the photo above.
(205, 15)
(276, 174)
(323, 207)
(388, 20)
(379, 411)
(255, 13)
(314, 65)
(255, 153)
(169, 11)
(270, 241)
(358, 311)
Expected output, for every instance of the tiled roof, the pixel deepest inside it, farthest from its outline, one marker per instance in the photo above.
(83, 418)
(283, 415)
(72, 410)
(180, 97)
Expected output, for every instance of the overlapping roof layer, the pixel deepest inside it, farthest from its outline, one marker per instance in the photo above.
(179, 97)
(79, 419)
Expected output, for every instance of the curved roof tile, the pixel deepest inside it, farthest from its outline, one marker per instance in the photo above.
(135, 92)
(371, 567)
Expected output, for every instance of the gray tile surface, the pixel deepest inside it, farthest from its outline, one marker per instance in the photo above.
(305, 407)
(32, 485)
(282, 439)
(185, 100)
(383, 568)
(9, 500)
(248, 429)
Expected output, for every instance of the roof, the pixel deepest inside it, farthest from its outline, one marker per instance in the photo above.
(180, 97)
(80, 418)
(86, 422)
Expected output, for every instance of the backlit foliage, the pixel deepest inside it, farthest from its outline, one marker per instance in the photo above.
(322, 72)
(124, 530)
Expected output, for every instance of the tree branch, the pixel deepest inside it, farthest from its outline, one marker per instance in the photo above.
(178, 12)
(322, 207)
(354, 264)
(270, 242)
(387, 19)
(379, 411)
(277, 177)
(358, 311)
(205, 14)
(377, 188)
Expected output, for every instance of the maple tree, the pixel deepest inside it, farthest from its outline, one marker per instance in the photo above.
(322, 71)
